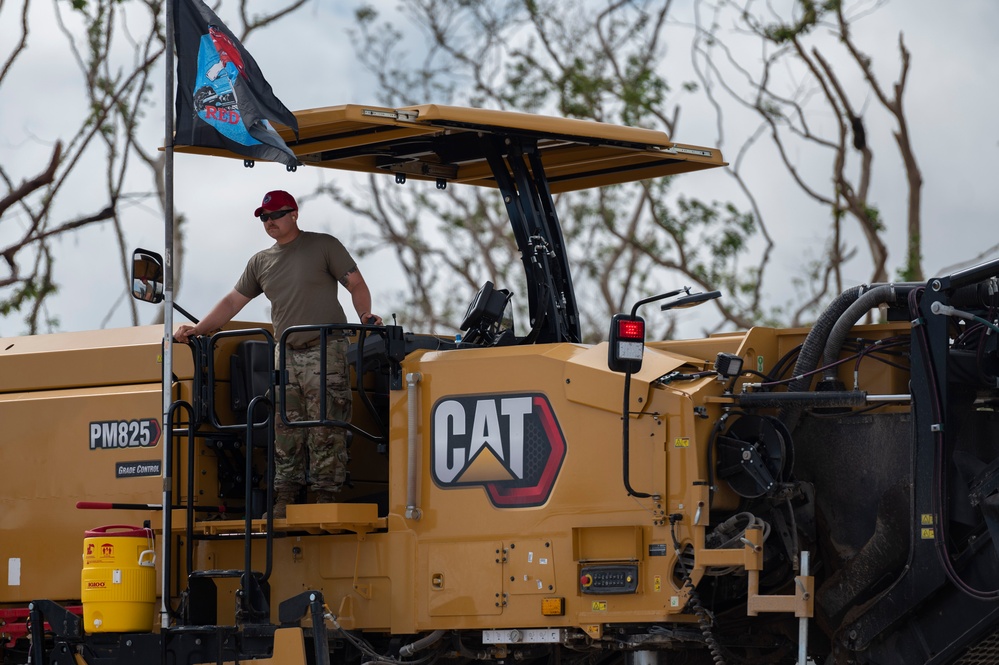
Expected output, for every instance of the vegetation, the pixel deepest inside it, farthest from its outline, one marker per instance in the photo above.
(608, 61)
(812, 90)
(116, 46)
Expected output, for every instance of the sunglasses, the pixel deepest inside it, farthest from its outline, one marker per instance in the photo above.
(277, 214)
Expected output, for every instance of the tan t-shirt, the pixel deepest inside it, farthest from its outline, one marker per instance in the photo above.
(300, 280)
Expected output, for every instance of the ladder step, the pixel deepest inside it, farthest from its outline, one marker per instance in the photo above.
(222, 572)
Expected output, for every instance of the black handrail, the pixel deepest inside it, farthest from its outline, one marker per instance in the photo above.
(248, 428)
(325, 331)
(249, 333)
(248, 488)
(171, 432)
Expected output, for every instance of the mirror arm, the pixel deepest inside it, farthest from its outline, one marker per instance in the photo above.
(186, 313)
(646, 301)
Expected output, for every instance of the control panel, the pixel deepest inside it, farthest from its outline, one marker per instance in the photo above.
(609, 578)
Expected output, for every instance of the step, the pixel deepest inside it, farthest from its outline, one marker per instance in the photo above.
(308, 517)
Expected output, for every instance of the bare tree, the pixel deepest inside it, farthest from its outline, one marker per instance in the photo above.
(795, 83)
(565, 58)
(604, 61)
(116, 50)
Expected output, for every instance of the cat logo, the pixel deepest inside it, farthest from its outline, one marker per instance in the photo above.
(510, 444)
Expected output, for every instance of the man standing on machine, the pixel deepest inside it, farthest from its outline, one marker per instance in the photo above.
(300, 275)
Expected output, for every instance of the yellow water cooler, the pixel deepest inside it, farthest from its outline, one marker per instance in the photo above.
(119, 580)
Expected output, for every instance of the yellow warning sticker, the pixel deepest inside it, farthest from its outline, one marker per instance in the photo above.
(926, 519)
(681, 442)
(927, 533)
(657, 583)
(599, 605)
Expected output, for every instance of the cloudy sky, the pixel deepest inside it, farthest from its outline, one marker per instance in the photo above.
(951, 103)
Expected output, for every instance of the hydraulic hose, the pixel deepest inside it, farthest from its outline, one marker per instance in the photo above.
(883, 293)
(812, 348)
(815, 341)
(419, 645)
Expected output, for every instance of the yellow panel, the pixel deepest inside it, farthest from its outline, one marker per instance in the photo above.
(465, 579)
(47, 450)
(589, 381)
(608, 543)
(95, 358)
(530, 567)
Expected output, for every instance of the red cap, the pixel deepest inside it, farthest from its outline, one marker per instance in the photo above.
(275, 201)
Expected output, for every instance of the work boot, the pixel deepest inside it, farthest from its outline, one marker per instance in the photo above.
(325, 496)
(281, 501)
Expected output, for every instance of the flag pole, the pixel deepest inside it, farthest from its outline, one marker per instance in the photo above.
(167, 313)
(257, 104)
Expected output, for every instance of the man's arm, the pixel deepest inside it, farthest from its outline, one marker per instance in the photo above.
(220, 315)
(354, 282)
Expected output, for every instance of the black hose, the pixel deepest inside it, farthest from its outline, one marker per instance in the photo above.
(626, 440)
(408, 650)
(703, 618)
(811, 349)
(882, 293)
(815, 341)
(974, 296)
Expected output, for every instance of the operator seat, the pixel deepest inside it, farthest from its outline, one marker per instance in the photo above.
(250, 372)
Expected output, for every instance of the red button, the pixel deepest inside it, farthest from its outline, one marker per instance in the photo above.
(586, 580)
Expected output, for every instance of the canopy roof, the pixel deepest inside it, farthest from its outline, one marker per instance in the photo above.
(452, 144)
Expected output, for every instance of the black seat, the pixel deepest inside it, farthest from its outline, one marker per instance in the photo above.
(250, 372)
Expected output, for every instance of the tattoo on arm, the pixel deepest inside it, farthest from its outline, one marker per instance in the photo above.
(346, 276)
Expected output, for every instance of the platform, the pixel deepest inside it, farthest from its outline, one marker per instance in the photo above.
(313, 518)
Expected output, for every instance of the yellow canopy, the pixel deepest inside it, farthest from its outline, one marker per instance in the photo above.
(433, 142)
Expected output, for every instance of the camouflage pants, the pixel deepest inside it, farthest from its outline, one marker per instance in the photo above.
(320, 451)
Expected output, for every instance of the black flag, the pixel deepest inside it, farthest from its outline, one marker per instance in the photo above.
(223, 100)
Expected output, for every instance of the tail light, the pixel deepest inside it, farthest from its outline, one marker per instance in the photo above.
(627, 343)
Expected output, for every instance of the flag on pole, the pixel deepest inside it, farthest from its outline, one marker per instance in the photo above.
(223, 100)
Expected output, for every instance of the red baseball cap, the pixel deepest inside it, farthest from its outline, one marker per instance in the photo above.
(275, 201)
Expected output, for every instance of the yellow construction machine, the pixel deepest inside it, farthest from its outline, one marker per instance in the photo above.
(821, 495)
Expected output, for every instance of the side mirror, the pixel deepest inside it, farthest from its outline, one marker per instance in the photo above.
(691, 300)
(147, 276)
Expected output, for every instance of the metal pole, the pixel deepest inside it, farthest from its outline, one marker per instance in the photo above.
(167, 310)
(803, 621)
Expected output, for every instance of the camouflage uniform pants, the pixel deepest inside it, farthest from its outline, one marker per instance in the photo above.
(322, 451)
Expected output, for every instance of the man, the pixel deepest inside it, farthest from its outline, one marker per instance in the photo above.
(144, 288)
(299, 275)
